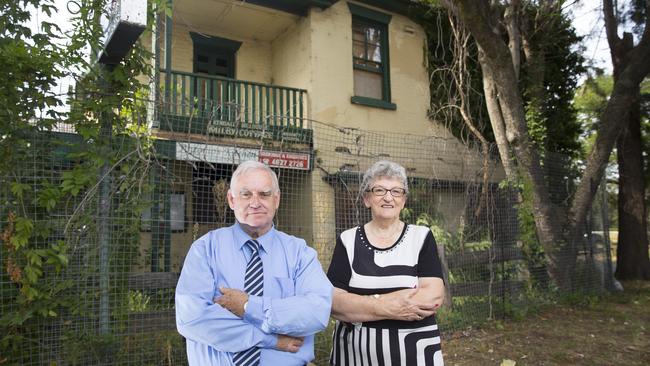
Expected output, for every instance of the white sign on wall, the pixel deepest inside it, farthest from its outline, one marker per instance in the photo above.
(189, 151)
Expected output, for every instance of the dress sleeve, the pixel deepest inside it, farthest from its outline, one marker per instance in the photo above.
(429, 261)
(339, 272)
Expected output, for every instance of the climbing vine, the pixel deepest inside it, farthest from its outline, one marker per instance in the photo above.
(56, 151)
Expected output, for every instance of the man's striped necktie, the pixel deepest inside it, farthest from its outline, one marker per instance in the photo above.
(254, 286)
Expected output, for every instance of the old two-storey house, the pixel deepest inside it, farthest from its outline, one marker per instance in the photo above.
(273, 80)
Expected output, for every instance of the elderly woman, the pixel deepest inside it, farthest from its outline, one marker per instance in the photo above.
(387, 282)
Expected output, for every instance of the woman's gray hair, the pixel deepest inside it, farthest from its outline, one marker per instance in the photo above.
(383, 169)
(249, 165)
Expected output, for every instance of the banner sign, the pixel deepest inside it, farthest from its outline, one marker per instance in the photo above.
(258, 132)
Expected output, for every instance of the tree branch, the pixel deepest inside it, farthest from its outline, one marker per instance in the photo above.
(611, 26)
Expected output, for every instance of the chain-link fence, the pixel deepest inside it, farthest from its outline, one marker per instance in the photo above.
(120, 242)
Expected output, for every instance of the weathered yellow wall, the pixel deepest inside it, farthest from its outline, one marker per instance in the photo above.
(253, 60)
(291, 55)
(322, 213)
(294, 216)
(331, 89)
(422, 155)
(315, 53)
(332, 75)
(331, 65)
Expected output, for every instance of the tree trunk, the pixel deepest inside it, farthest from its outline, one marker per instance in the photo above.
(612, 122)
(498, 63)
(511, 18)
(631, 66)
(496, 120)
(632, 252)
(559, 245)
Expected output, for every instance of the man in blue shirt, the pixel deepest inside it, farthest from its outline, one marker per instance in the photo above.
(225, 317)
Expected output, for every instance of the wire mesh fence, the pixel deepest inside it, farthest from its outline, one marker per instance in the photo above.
(122, 240)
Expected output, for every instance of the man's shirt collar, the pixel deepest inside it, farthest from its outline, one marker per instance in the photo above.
(241, 237)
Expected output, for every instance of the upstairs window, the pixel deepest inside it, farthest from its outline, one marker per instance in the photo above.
(214, 55)
(370, 57)
(367, 57)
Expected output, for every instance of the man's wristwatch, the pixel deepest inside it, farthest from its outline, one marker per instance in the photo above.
(245, 304)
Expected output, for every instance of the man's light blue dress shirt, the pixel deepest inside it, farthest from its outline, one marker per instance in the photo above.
(297, 298)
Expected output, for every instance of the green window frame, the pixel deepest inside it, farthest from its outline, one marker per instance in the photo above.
(214, 55)
(370, 57)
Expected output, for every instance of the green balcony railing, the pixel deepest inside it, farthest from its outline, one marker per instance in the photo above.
(256, 105)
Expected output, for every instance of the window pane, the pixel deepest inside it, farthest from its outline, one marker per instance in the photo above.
(368, 84)
(373, 38)
(367, 54)
(359, 49)
(374, 53)
(366, 42)
(358, 32)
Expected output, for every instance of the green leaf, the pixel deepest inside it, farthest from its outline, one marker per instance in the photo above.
(32, 273)
(18, 189)
(24, 225)
(63, 259)
(18, 241)
(48, 198)
(33, 257)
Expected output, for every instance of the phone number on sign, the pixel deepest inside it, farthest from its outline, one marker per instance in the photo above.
(283, 163)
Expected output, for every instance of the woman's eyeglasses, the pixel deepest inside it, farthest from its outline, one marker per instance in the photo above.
(380, 191)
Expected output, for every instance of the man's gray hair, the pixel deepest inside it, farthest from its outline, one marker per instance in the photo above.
(249, 165)
(383, 169)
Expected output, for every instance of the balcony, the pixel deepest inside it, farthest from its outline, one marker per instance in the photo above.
(219, 106)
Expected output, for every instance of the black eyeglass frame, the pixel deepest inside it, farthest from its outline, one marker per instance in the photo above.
(395, 192)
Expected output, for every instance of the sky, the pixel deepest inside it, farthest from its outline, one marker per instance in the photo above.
(588, 21)
(62, 18)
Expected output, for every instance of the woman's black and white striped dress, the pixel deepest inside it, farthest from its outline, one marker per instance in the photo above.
(360, 268)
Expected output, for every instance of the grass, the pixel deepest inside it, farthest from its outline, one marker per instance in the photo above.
(608, 330)
(579, 329)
